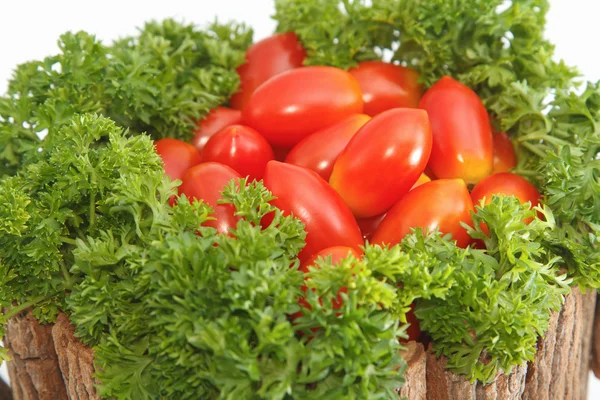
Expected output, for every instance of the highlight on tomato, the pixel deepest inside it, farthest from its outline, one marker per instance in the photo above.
(217, 119)
(385, 86)
(303, 193)
(241, 148)
(505, 157)
(297, 103)
(442, 204)
(320, 150)
(462, 135)
(205, 182)
(177, 156)
(264, 60)
(383, 161)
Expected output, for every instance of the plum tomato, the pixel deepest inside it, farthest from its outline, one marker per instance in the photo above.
(177, 156)
(217, 119)
(505, 157)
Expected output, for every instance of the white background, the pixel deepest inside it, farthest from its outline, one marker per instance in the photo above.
(29, 30)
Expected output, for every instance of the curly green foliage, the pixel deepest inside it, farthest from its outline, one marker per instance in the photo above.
(501, 299)
(160, 82)
(62, 198)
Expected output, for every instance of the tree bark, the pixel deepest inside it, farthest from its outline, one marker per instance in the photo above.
(415, 387)
(596, 343)
(5, 392)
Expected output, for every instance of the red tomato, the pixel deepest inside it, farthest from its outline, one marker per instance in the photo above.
(505, 158)
(441, 204)
(385, 86)
(320, 150)
(304, 194)
(414, 330)
(206, 182)
(422, 179)
(292, 105)
(462, 136)
(383, 161)
(337, 253)
(265, 59)
(217, 119)
(368, 226)
(177, 156)
(280, 153)
(241, 148)
(508, 184)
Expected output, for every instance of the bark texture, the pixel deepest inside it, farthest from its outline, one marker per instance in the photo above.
(415, 387)
(596, 343)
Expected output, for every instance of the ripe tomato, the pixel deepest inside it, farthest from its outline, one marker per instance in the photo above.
(441, 204)
(280, 153)
(422, 179)
(304, 194)
(505, 157)
(462, 135)
(177, 156)
(206, 182)
(265, 59)
(241, 148)
(383, 161)
(217, 119)
(414, 330)
(369, 225)
(320, 150)
(385, 86)
(292, 105)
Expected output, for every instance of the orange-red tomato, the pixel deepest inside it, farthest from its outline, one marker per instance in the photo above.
(304, 194)
(292, 105)
(177, 156)
(217, 119)
(462, 135)
(441, 204)
(383, 161)
(206, 182)
(369, 225)
(505, 157)
(241, 148)
(422, 179)
(264, 60)
(414, 330)
(508, 184)
(386, 86)
(320, 150)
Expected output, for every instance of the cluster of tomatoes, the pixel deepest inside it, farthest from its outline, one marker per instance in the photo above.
(364, 154)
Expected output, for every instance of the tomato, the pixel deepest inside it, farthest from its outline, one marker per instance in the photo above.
(462, 135)
(265, 59)
(320, 150)
(241, 148)
(177, 156)
(383, 161)
(369, 225)
(441, 204)
(304, 194)
(385, 86)
(422, 179)
(505, 157)
(414, 330)
(206, 182)
(337, 253)
(217, 119)
(292, 105)
(508, 184)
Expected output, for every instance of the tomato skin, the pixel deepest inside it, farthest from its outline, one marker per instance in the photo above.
(386, 86)
(442, 204)
(280, 153)
(206, 182)
(414, 330)
(368, 226)
(241, 148)
(422, 180)
(383, 161)
(217, 119)
(462, 135)
(177, 156)
(292, 105)
(505, 157)
(320, 150)
(337, 253)
(264, 60)
(303, 193)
